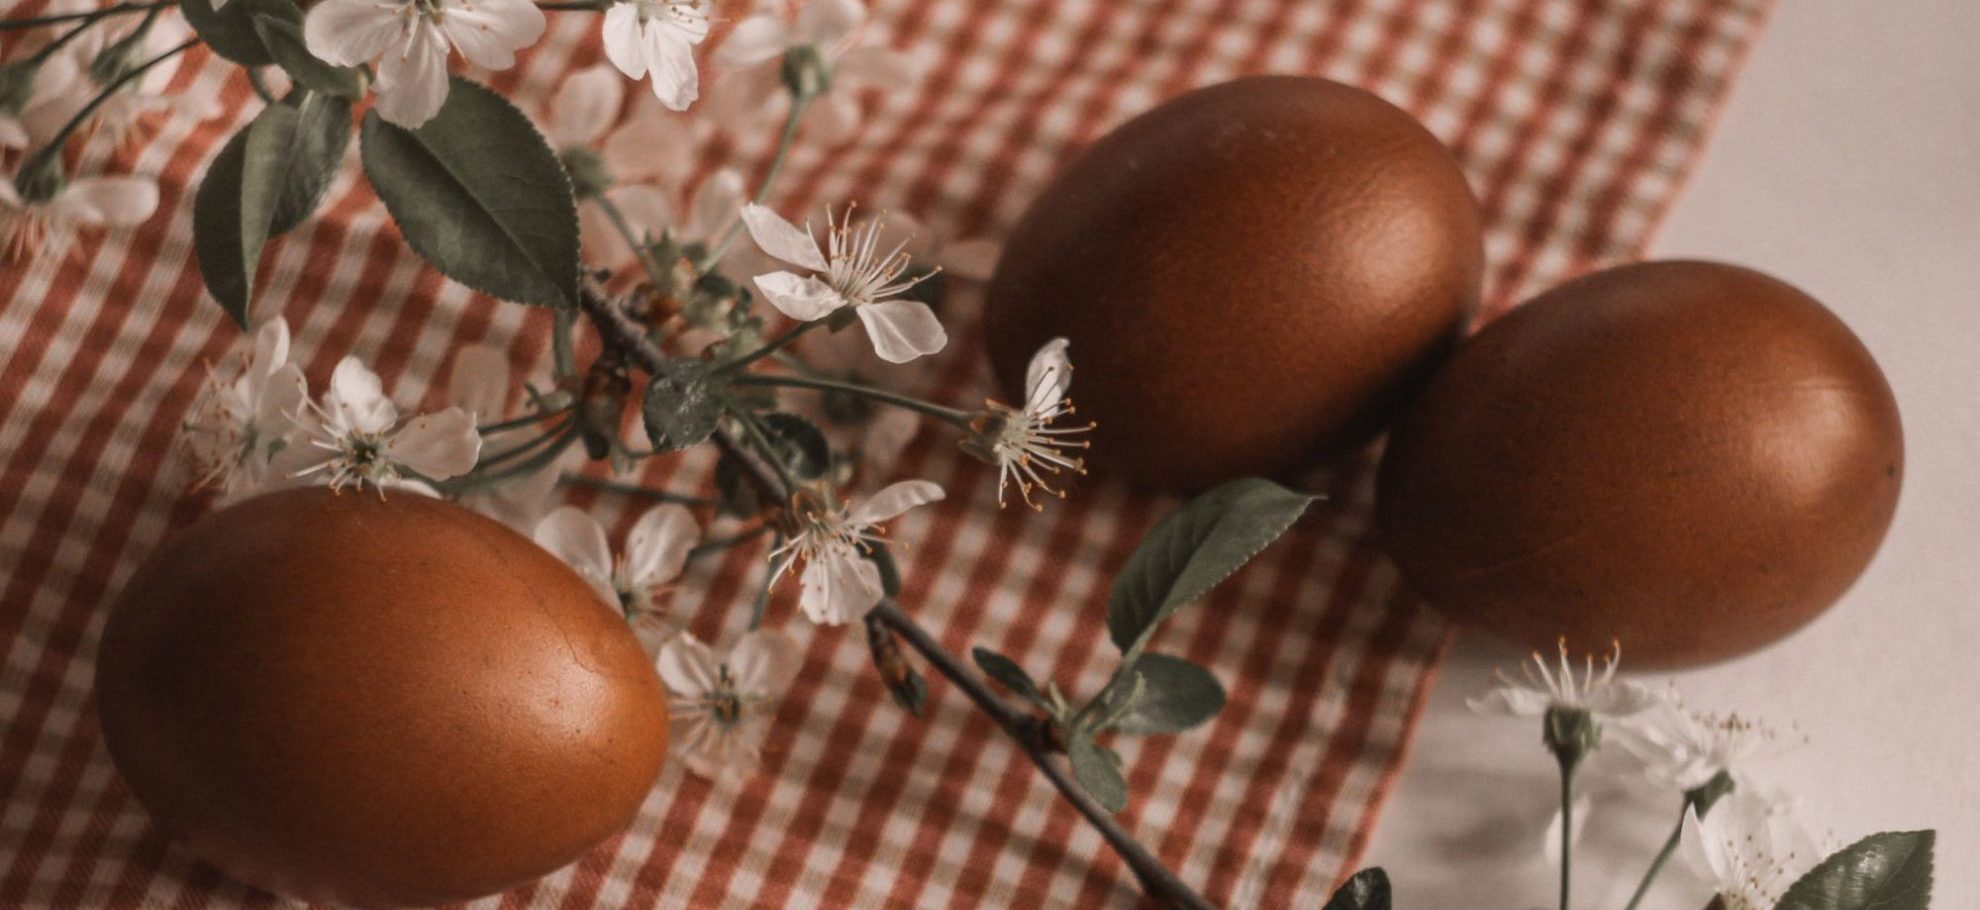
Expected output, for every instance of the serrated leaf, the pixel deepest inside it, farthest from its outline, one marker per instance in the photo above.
(1098, 771)
(315, 153)
(284, 41)
(682, 404)
(1364, 890)
(1175, 696)
(478, 193)
(1888, 871)
(1193, 549)
(219, 244)
(800, 444)
(1007, 673)
(230, 30)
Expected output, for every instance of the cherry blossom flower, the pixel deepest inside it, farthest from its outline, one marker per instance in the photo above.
(58, 92)
(1023, 442)
(411, 40)
(620, 163)
(1541, 690)
(481, 385)
(240, 421)
(122, 118)
(855, 273)
(1682, 750)
(721, 705)
(655, 553)
(31, 226)
(354, 437)
(839, 584)
(656, 38)
(753, 91)
(1750, 847)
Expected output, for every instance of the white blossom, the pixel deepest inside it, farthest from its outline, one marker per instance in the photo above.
(631, 582)
(1682, 750)
(481, 384)
(753, 92)
(657, 38)
(241, 420)
(1023, 442)
(411, 40)
(721, 705)
(839, 584)
(1540, 690)
(851, 270)
(1750, 847)
(60, 89)
(30, 227)
(631, 160)
(354, 437)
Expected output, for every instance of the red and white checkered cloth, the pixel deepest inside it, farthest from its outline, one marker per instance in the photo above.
(1576, 120)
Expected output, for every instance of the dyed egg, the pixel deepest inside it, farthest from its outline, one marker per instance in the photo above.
(375, 702)
(1690, 458)
(1253, 276)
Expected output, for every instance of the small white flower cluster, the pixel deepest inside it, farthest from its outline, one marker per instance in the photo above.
(254, 429)
(1746, 840)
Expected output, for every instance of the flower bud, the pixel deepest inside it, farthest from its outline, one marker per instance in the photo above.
(1704, 795)
(17, 85)
(40, 177)
(806, 73)
(601, 407)
(115, 61)
(589, 176)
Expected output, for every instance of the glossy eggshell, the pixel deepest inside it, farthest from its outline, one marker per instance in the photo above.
(1693, 459)
(1252, 277)
(375, 702)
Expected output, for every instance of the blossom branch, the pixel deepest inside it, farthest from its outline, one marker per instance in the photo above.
(1029, 732)
(931, 409)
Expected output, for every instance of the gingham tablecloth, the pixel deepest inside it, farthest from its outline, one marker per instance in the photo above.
(1576, 120)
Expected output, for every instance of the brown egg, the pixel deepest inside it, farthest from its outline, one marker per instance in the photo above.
(379, 703)
(1693, 459)
(1253, 276)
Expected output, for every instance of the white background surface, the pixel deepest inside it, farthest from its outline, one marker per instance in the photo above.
(1847, 163)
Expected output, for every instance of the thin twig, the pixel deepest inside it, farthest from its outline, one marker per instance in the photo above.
(1028, 731)
(92, 15)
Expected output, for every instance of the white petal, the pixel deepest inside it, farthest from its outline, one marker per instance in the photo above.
(1625, 699)
(658, 546)
(824, 22)
(718, 200)
(12, 134)
(479, 382)
(119, 201)
(903, 329)
(1512, 701)
(357, 397)
(803, 299)
(688, 667)
(839, 587)
(350, 32)
(892, 500)
(572, 535)
(1702, 851)
(1550, 844)
(412, 78)
(670, 63)
(271, 345)
(973, 260)
(754, 40)
(586, 106)
(624, 45)
(281, 398)
(833, 120)
(782, 239)
(489, 32)
(765, 661)
(438, 446)
(1048, 376)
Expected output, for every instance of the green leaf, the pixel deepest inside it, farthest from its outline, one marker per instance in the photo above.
(800, 444)
(1193, 549)
(284, 41)
(1175, 696)
(1888, 871)
(479, 194)
(231, 31)
(1364, 890)
(682, 404)
(1098, 771)
(266, 179)
(314, 154)
(1006, 671)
